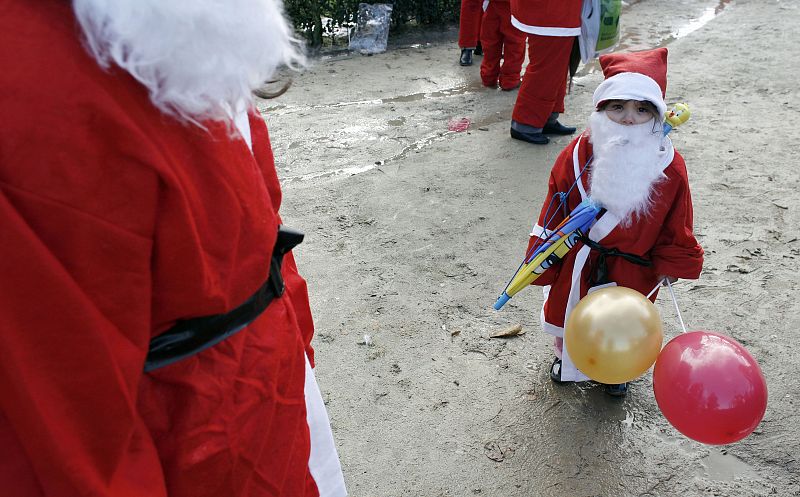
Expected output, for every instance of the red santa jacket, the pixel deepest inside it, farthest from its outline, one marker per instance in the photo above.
(547, 17)
(664, 237)
(117, 221)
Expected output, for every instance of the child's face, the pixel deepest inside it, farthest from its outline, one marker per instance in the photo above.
(628, 112)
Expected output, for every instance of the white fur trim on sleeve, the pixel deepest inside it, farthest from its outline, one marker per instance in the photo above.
(538, 231)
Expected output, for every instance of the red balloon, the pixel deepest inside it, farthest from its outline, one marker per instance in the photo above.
(709, 387)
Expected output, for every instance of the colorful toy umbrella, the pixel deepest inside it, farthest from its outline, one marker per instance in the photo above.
(550, 249)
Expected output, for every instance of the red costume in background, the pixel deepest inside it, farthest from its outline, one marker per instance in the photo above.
(500, 39)
(664, 237)
(118, 220)
(551, 27)
(469, 23)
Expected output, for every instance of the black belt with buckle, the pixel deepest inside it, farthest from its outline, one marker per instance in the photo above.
(600, 276)
(191, 336)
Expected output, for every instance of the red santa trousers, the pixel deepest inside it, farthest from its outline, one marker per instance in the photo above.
(469, 24)
(545, 82)
(500, 39)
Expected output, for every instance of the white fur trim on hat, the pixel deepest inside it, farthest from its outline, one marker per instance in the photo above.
(630, 86)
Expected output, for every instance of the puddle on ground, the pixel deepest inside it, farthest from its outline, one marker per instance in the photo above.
(695, 24)
(413, 97)
(447, 92)
(721, 466)
(631, 39)
(346, 171)
(350, 171)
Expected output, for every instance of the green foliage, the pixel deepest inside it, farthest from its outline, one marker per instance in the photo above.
(307, 14)
(425, 11)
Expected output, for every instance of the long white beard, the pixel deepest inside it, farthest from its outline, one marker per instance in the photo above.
(628, 163)
(199, 59)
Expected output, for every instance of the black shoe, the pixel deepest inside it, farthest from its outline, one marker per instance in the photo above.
(466, 57)
(555, 372)
(478, 49)
(537, 138)
(557, 128)
(619, 390)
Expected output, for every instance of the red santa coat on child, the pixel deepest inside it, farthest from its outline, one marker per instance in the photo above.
(666, 239)
(118, 220)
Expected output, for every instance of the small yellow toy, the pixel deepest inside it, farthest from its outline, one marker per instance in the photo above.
(679, 114)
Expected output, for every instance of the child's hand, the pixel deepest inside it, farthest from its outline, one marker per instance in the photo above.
(665, 279)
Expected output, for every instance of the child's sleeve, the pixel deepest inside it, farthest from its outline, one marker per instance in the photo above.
(676, 252)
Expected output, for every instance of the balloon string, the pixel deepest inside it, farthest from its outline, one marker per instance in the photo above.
(674, 301)
(655, 288)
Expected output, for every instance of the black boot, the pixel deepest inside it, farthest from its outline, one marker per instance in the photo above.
(466, 57)
(478, 49)
(553, 127)
(556, 128)
(528, 133)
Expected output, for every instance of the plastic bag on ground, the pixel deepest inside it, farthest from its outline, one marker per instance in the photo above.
(372, 28)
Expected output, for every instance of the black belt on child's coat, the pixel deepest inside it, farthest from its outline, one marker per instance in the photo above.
(601, 267)
(190, 336)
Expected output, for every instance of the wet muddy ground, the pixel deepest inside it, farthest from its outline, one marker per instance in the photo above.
(413, 230)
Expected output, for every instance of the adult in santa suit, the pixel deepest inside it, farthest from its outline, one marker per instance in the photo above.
(137, 191)
(469, 30)
(551, 27)
(501, 41)
(639, 180)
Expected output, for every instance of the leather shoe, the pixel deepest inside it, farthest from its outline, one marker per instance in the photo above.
(537, 138)
(466, 57)
(478, 49)
(557, 128)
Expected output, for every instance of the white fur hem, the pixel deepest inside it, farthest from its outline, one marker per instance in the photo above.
(323, 463)
(545, 30)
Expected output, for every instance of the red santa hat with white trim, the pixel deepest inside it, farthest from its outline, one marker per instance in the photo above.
(634, 76)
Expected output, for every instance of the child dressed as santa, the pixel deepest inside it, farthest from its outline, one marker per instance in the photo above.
(644, 231)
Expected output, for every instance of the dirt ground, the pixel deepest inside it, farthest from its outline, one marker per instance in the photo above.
(413, 231)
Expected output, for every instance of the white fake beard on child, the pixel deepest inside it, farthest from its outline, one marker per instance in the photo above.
(628, 162)
(199, 59)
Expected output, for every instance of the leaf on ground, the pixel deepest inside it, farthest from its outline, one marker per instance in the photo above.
(493, 451)
(509, 331)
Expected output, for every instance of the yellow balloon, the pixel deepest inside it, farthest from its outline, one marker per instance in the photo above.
(614, 335)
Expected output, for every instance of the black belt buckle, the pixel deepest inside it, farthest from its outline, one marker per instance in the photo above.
(288, 239)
